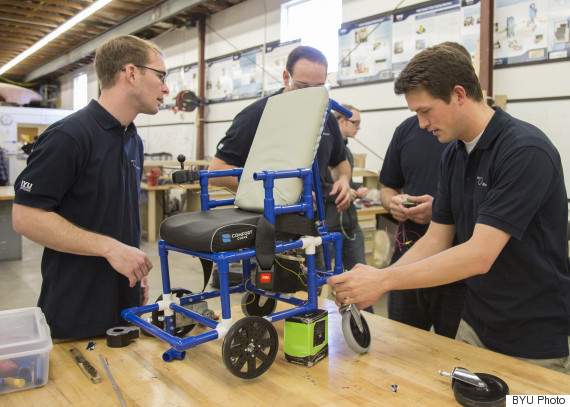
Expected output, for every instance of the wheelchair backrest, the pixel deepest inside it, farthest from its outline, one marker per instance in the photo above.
(287, 138)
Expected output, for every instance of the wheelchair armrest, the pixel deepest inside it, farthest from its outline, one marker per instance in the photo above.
(233, 172)
(185, 176)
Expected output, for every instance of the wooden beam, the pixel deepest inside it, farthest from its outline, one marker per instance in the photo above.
(201, 86)
(486, 48)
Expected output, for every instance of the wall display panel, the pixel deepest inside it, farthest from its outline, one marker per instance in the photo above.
(275, 62)
(520, 31)
(365, 50)
(179, 79)
(416, 29)
(236, 76)
(558, 30)
(471, 24)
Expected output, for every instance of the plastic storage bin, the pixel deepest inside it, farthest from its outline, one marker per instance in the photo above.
(25, 343)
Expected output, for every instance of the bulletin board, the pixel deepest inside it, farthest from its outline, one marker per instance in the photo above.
(530, 31)
(275, 63)
(365, 50)
(235, 76)
(378, 47)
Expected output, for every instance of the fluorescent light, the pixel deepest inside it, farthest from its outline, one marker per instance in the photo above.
(54, 34)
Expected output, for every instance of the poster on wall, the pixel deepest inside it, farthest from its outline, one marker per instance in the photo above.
(558, 30)
(190, 77)
(364, 50)
(275, 63)
(416, 29)
(179, 79)
(520, 31)
(236, 76)
(175, 83)
(471, 24)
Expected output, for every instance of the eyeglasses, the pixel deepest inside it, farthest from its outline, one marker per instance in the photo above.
(161, 74)
(303, 85)
(355, 122)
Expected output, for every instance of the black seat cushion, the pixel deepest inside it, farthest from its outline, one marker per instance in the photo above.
(213, 231)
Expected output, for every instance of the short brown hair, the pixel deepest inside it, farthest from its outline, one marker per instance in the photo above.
(346, 106)
(438, 70)
(114, 53)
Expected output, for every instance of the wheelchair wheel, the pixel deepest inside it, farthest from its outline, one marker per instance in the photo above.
(257, 305)
(250, 347)
(356, 340)
(158, 316)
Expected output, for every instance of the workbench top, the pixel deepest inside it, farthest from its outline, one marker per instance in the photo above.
(7, 193)
(399, 354)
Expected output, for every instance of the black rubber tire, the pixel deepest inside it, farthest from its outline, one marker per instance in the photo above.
(495, 395)
(250, 305)
(250, 347)
(356, 340)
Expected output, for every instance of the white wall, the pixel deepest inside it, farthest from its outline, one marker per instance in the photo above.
(11, 117)
(255, 22)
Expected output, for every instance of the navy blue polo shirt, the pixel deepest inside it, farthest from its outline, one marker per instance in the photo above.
(513, 181)
(412, 164)
(86, 168)
(234, 147)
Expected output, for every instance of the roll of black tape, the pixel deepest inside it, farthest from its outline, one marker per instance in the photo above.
(121, 336)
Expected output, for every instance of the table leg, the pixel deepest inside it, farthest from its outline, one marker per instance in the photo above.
(151, 216)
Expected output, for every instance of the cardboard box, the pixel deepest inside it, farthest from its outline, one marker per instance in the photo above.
(306, 338)
(25, 343)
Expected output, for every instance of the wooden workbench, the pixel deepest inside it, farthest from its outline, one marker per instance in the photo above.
(399, 354)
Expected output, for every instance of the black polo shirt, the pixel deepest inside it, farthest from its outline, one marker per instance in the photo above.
(412, 164)
(234, 147)
(513, 181)
(88, 169)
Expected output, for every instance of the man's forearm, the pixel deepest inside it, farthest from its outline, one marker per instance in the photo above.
(432, 262)
(53, 231)
(342, 172)
(386, 195)
(223, 182)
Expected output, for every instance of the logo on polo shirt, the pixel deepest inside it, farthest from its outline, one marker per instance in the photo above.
(26, 186)
(481, 182)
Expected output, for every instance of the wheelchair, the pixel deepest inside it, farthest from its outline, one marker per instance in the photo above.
(272, 218)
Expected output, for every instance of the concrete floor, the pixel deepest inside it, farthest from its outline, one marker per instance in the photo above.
(21, 280)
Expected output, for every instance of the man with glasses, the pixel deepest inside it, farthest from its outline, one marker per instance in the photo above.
(79, 196)
(306, 67)
(346, 222)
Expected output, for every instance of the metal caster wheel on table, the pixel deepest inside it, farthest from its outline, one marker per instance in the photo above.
(257, 305)
(250, 347)
(477, 389)
(355, 329)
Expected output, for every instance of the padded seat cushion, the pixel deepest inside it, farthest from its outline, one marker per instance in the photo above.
(218, 230)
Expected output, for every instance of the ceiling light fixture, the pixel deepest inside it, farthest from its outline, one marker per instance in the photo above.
(54, 34)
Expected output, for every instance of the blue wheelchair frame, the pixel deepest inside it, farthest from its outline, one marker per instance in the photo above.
(315, 278)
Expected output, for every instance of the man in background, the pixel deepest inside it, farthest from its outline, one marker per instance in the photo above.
(306, 67)
(346, 222)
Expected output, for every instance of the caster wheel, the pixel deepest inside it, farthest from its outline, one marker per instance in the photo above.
(257, 305)
(158, 316)
(494, 395)
(250, 347)
(356, 340)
